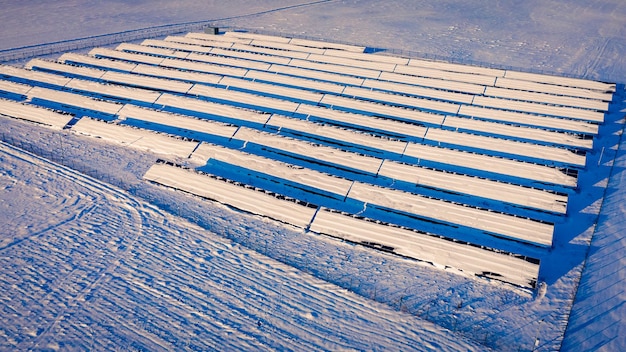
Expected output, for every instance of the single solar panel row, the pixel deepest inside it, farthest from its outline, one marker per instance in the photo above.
(136, 138)
(33, 113)
(248, 200)
(440, 252)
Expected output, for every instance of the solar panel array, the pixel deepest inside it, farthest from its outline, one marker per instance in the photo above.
(464, 167)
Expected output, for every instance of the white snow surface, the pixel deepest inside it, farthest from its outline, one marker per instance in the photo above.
(107, 261)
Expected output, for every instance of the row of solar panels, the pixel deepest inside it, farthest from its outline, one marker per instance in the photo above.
(409, 153)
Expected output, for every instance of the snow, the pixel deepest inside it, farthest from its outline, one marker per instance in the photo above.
(469, 259)
(543, 97)
(541, 109)
(35, 114)
(65, 239)
(596, 322)
(140, 139)
(489, 164)
(528, 119)
(525, 134)
(115, 260)
(248, 200)
(499, 224)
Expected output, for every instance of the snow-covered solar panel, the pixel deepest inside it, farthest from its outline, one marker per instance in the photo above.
(196, 48)
(542, 109)
(272, 89)
(474, 186)
(318, 153)
(210, 108)
(561, 81)
(518, 132)
(553, 89)
(200, 42)
(213, 59)
(207, 78)
(176, 46)
(256, 36)
(547, 98)
(304, 176)
(122, 55)
(500, 224)
(135, 138)
(284, 46)
(149, 70)
(382, 145)
(529, 119)
(295, 81)
(447, 66)
(499, 166)
(170, 62)
(447, 75)
(433, 179)
(244, 99)
(368, 57)
(203, 67)
(402, 100)
(433, 82)
(33, 113)
(317, 75)
(75, 100)
(327, 45)
(363, 121)
(147, 82)
(438, 179)
(529, 150)
(151, 50)
(382, 110)
(115, 77)
(332, 68)
(64, 68)
(177, 121)
(252, 56)
(270, 51)
(15, 88)
(426, 92)
(115, 90)
(338, 134)
(229, 61)
(92, 61)
(22, 74)
(347, 61)
(220, 38)
(456, 146)
(242, 198)
(443, 253)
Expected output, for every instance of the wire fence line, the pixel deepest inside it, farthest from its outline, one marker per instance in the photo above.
(31, 51)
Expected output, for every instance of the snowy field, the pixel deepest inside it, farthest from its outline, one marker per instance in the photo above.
(97, 258)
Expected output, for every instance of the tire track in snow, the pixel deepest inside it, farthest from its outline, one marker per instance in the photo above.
(102, 192)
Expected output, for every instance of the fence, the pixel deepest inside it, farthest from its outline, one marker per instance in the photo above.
(31, 51)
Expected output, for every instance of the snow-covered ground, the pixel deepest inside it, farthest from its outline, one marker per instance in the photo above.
(89, 264)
